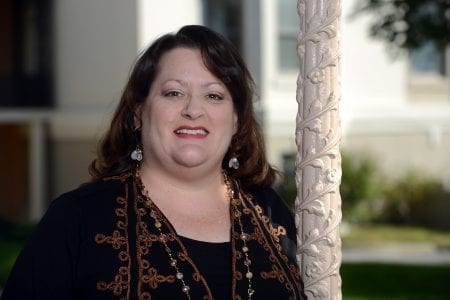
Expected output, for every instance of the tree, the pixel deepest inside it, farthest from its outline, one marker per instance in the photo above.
(408, 24)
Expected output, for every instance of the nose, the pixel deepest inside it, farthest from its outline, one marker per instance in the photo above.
(193, 108)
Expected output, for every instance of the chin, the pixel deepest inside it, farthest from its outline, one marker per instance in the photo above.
(191, 160)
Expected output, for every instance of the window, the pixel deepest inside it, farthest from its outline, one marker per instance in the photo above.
(288, 24)
(225, 16)
(25, 54)
(287, 186)
(429, 76)
(428, 60)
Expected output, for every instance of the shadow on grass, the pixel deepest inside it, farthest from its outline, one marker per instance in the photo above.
(370, 281)
(12, 239)
(8, 254)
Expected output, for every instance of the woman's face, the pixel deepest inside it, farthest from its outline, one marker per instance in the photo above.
(188, 118)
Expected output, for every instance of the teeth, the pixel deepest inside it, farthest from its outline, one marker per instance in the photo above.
(191, 131)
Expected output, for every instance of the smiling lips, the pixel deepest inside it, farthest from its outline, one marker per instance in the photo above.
(196, 132)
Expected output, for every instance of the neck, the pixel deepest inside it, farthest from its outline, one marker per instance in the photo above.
(187, 191)
(197, 209)
(183, 178)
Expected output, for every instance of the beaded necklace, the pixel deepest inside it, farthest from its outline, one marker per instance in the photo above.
(235, 201)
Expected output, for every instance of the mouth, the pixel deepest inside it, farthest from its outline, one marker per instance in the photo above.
(191, 131)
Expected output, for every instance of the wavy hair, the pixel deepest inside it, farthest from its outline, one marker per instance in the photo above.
(224, 61)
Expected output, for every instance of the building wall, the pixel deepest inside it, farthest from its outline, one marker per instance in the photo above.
(377, 110)
(96, 44)
(72, 144)
(159, 17)
(401, 152)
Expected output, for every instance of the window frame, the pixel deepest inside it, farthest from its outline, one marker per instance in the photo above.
(429, 86)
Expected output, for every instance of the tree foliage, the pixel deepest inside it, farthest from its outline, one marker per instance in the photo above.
(408, 24)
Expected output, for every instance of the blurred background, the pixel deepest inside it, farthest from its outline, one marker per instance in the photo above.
(63, 64)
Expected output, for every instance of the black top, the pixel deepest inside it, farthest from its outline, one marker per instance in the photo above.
(99, 242)
(213, 261)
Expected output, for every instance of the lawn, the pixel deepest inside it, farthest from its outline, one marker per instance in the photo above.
(395, 282)
(8, 253)
(357, 235)
(371, 281)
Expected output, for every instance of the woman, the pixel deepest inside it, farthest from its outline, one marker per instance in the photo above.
(180, 206)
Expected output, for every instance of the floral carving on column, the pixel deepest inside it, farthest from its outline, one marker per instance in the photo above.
(318, 163)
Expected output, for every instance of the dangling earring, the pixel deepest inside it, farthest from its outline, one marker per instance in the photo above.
(233, 163)
(136, 154)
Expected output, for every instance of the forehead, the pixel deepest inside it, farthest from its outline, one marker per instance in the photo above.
(184, 63)
(180, 58)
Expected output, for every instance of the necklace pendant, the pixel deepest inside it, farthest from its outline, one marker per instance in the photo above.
(180, 275)
(157, 224)
(245, 236)
(247, 262)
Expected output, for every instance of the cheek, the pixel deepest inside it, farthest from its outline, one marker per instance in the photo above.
(226, 119)
(154, 113)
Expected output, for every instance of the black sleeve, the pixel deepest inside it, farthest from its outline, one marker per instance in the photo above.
(46, 267)
(280, 215)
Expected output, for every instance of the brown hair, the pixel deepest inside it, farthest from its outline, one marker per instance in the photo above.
(224, 61)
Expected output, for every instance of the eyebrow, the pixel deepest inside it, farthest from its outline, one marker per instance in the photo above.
(184, 83)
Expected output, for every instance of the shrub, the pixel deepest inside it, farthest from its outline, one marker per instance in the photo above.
(368, 195)
(360, 185)
(360, 188)
(416, 199)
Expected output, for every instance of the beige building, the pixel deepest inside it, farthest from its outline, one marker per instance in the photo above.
(80, 53)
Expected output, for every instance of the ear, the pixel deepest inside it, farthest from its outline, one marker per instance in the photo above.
(137, 117)
(235, 123)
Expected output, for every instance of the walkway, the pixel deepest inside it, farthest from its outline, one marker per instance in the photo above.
(425, 254)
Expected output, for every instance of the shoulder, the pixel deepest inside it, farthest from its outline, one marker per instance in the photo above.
(266, 195)
(271, 202)
(274, 207)
(80, 211)
(60, 241)
(280, 217)
(90, 193)
(90, 201)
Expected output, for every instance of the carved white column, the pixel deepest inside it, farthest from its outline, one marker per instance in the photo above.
(318, 164)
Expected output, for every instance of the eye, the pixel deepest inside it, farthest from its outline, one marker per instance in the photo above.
(215, 97)
(172, 94)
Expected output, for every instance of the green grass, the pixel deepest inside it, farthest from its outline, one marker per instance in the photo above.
(382, 234)
(8, 254)
(12, 238)
(395, 282)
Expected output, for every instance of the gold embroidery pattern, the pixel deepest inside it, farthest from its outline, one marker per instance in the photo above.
(154, 278)
(274, 232)
(120, 285)
(145, 240)
(147, 274)
(278, 272)
(263, 232)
